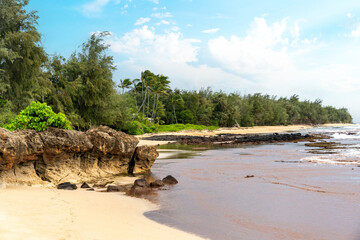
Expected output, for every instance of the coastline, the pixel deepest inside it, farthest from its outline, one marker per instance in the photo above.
(37, 213)
(241, 130)
(47, 213)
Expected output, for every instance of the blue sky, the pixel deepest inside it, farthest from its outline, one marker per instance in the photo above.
(309, 48)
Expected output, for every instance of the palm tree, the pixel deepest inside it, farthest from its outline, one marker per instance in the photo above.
(176, 99)
(124, 84)
(161, 87)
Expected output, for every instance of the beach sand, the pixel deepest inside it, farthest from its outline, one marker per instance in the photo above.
(35, 213)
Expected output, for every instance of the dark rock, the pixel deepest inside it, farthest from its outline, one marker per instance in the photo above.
(141, 183)
(85, 185)
(249, 176)
(90, 189)
(67, 186)
(157, 183)
(169, 180)
(138, 191)
(232, 138)
(112, 188)
(99, 185)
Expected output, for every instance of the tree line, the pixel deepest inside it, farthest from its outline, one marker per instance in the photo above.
(82, 88)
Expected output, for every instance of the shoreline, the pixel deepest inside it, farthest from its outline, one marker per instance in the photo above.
(234, 130)
(48, 213)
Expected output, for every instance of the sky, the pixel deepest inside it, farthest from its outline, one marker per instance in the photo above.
(277, 47)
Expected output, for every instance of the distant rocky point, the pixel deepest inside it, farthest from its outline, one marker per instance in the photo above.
(59, 155)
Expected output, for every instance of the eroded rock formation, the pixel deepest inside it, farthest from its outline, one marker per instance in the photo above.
(59, 155)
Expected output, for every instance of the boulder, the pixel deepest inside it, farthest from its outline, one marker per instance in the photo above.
(67, 186)
(118, 188)
(170, 180)
(157, 183)
(143, 158)
(85, 185)
(141, 183)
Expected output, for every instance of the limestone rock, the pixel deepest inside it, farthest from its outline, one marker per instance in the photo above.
(143, 159)
(59, 155)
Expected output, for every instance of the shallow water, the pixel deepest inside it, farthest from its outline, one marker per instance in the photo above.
(289, 197)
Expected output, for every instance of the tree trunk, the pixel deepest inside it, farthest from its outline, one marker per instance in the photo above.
(175, 114)
(140, 108)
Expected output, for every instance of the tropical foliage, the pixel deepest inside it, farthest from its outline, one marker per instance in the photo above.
(82, 87)
(38, 116)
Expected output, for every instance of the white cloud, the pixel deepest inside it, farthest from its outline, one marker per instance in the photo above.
(189, 25)
(349, 15)
(155, 1)
(141, 21)
(144, 43)
(163, 22)
(354, 33)
(162, 15)
(94, 7)
(213, 30)
(175, 28)
(264, 49)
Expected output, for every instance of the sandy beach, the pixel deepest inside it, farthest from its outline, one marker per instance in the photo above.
(35, 213)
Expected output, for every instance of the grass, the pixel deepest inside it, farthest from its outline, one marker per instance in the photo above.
(180, 127)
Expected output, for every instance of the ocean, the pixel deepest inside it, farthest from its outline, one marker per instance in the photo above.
(302, 190)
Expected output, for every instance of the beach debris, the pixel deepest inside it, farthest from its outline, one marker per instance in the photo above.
(67, 186)
(85, 185)
(249, 176)
(157, 183)
(169, 180)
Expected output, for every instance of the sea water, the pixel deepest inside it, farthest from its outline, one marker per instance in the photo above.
(269, 191)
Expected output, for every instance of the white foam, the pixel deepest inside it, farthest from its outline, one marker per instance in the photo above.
(326, 160)
(345, 136)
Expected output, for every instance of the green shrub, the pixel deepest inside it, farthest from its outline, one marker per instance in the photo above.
(38, 116)
(134, 128)
(138, 128)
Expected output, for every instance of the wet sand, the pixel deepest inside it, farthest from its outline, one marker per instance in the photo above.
(286, 199)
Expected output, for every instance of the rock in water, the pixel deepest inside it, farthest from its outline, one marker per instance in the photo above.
(169, 180)
(85, 185)
(67, 186)
(157, 183)
(141, 183)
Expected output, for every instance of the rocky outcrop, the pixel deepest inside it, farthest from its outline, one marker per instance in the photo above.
(143, 158)
(59, 155)
(227, 139)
